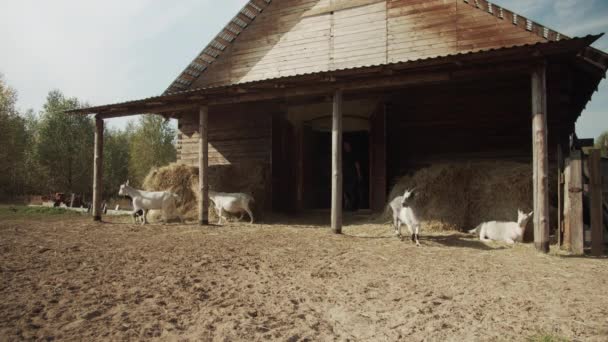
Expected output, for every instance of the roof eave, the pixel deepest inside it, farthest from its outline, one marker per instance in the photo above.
(185, 100)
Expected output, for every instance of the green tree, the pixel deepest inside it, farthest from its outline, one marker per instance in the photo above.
(602, 143)
(13, 141)
(33, 176)
(64, 145)
(115, 160)
(152, 145)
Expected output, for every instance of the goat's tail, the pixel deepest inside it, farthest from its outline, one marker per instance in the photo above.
(475, 230)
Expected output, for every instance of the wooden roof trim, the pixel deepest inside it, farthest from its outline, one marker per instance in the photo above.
(592, 55)
(259, 5)
(517, 20)
(218, 44)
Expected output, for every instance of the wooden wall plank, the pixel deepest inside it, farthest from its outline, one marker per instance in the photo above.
(233, 137)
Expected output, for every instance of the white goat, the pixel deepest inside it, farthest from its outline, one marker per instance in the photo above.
(233, 203)
(147, 200)
(396, 204)
(403, 208)
(509, 232)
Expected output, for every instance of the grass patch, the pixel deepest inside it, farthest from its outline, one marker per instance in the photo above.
(544, 337)
(9, 211)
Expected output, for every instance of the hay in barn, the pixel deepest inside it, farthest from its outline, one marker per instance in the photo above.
(182, 179)
(459, 196)
(179, 179)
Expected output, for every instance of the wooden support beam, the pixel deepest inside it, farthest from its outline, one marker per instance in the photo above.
(566, 208)
(336, 165)
(540, 158)
(560, 195)
(573, 206)
(596, 203)
(156, 109)
(203, 171)
(323, 88)
(98, 169)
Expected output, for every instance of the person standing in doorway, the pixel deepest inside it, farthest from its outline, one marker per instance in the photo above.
(351, 175)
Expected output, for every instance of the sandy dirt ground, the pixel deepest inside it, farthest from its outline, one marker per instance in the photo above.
(72, 279)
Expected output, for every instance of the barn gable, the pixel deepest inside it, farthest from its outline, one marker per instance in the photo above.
(269, 39)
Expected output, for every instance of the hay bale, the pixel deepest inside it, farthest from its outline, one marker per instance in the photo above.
(179, 179)
(459, 196)
(183, 180)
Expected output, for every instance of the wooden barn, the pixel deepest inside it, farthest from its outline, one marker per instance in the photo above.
(406, 82)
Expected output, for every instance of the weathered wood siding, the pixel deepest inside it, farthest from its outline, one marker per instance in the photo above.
(421, 29)
(239, 149)
(300, 36)
(234, 137)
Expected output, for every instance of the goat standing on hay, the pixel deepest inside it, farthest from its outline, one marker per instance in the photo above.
(404, 212)
(231, 203)
(147, 200)
(509, 232)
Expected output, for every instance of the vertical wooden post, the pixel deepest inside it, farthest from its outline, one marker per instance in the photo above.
(98, 169)
(573, 233)
(540, 159)
(336, 165)
(560, 194)
(203, 166)
(596, 203)
(566, 239)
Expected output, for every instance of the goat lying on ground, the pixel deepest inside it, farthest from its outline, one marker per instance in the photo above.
(404, 211)
(233, 203)
(509, 232)
(147, 200)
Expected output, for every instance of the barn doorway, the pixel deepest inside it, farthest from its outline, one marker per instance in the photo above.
(319, 170)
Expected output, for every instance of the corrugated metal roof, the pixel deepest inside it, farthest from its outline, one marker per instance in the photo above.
(216, 47)
(583, 41)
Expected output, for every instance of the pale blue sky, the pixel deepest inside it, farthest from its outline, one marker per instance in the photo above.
(117, 50)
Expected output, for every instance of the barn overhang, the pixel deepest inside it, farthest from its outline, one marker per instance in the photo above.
(466, 66)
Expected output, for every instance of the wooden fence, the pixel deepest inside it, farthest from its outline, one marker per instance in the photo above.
(583, 198)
